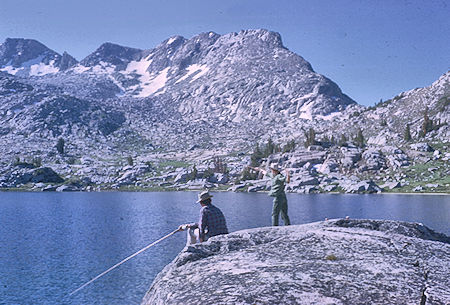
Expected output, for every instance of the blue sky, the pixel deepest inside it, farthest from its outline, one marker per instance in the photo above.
(372, 49)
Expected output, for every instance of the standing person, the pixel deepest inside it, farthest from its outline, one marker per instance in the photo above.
(277, 191)
(211, 223)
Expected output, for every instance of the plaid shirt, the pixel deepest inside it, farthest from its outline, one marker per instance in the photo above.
(212, 222)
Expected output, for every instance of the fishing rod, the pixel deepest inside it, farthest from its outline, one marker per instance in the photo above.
(123, 261)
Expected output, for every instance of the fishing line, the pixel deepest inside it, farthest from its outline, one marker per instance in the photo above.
(123, 261)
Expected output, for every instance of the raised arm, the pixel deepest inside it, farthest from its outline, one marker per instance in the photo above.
(258, 169)
(288, 176)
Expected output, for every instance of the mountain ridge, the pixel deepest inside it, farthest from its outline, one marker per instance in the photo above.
(186, 98)
(30, 57)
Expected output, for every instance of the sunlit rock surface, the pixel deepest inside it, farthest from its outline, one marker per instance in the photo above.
(331, 262)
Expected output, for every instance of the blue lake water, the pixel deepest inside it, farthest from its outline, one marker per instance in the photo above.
(52, 243)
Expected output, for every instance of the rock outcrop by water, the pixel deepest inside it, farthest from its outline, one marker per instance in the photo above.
(333, 262)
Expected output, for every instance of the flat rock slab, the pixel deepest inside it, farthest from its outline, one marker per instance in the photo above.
(332, 262)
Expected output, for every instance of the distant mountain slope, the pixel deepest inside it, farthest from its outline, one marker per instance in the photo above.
(234, 76)
(206, 89)
(386, 122)
(409, 108)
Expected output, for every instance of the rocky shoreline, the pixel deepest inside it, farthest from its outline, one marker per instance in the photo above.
(414, 168)
(341, 261)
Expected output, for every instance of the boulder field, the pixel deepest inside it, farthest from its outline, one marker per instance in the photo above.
(342, 261)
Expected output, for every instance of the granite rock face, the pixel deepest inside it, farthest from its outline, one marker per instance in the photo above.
(226, 86)
(333, 262)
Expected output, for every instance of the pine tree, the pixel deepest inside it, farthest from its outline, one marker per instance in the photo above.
(359, 139)
(256, 156)
(290, 146)
(426, 121)
(343, 140)
(427, 124)
(310, 137)
(407, 135)
(278, 148)
(130, 160)
(37, 161)
(60, 146)
(219, 165)
(194, 173)
(270, 148)
(333, 140)
(247, 174)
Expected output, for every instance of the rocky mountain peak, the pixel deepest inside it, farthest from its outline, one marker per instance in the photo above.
(269, 37)
(18, 51)
(173, 42)
(111, 53)
(180, 53)
(28, 57)
(443, 81)
(262, 38)
(67, 61)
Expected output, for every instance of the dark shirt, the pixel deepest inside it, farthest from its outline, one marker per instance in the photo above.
(212, 222)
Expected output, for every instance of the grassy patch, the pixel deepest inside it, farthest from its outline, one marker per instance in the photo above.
(433, 172)
(441, 146)
(331, 257)
(174, 163)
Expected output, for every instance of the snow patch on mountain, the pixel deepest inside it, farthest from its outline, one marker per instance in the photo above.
(43, 69)
(80, 69)
(197, 70)
(171, 40)
(330, 116)
(138, 66)
(32, 67)
(11, 70)
(306, 111)
(152, 83)
(103, 67)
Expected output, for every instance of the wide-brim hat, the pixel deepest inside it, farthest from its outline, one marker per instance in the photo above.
(203, 196)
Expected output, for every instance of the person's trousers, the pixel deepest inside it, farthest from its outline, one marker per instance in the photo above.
(193, 236)
(280, 206)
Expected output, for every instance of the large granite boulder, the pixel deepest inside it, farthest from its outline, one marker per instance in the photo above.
(182, 176)
(302, 178)
(350, 155)
(373, 159)
(357, 187)
(36, 175)
(332, 262)
(396, 157)
(218, 178)
(421, 147)
(328, 166)
(299, 159)
(130, 174)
